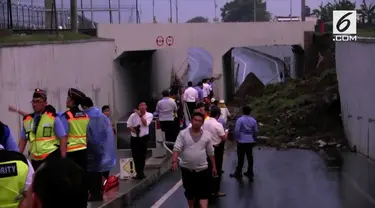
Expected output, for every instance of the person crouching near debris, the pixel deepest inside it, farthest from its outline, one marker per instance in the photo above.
(193, 145)
(101, 156)
(245, 133)
(138, 124)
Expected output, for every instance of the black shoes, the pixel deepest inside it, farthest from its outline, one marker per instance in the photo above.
(139, 177)
(239, 175)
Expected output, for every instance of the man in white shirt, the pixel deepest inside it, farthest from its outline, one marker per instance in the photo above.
(166, 109)
(191, 97)
(139, 123)
(219, 137)
(206, 88)
(193, 145)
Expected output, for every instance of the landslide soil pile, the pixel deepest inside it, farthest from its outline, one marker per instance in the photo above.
(297, 113)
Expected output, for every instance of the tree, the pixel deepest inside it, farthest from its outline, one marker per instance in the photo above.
(243, 11)
(324, 12)
(366, 12)
(198, 19)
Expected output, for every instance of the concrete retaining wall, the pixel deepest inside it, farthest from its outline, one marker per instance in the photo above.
(355, 71)
(87, 66)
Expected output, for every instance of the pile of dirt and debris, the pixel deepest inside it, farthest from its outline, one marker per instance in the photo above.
(298, 113)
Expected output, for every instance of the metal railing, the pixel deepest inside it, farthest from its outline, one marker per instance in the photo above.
(30, 16)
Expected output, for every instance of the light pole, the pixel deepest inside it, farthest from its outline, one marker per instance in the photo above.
(176, 5)
(170, 11)
(255, 10)
(110, 12)
(291, 9)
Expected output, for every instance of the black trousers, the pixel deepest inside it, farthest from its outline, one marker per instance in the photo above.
(242, 150)
(53, 155)
(219, 155)
(196, 184)
(138, 146)
(96, 183)
(191, 107)
(169, 128)
(79, 157)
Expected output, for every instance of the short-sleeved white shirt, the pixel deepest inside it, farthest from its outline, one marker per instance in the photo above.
(215, 128)
(134, 120)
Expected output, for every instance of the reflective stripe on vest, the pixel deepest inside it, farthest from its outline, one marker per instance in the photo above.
(44, 141)
(12, 182)
(77, 132)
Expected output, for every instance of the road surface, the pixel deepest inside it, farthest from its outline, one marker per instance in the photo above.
(283, 179)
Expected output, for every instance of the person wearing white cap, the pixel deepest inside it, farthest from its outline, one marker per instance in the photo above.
(225, 114)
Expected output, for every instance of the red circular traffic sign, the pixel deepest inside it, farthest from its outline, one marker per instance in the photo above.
(159, 41)
(169, 40)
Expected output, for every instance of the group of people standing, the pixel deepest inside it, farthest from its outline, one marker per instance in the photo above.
(201, 145)
(83, 135)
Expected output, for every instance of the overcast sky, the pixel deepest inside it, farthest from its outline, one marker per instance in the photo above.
(187, 9)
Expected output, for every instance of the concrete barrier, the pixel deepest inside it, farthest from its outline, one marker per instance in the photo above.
(356, 75)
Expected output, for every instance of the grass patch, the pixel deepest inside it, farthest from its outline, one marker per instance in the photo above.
(370, 32)
(63, 36)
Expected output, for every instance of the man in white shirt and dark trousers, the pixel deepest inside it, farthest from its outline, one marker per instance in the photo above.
(193, 145)
(166, 108)
(206, 88)
(219, 137)
(190, 97)
(139, 123)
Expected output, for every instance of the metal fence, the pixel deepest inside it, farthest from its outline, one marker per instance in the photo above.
(37, 14)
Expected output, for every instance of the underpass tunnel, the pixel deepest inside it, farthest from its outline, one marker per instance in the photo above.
(137, 66)
(200, 63)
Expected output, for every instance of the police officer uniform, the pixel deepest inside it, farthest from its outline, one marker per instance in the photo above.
(77, 129)
(40, 132)
(15, 177)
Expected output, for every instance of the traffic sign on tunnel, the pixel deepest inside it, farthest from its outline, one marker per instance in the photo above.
(160, 41)
(169, 40)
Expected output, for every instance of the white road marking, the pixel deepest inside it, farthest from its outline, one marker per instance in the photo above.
(164, 198)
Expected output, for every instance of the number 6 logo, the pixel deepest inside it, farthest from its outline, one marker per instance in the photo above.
(342, 21)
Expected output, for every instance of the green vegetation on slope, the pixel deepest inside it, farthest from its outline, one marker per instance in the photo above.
(63, 36)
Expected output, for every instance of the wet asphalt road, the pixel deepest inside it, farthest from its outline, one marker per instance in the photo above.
(283, 179)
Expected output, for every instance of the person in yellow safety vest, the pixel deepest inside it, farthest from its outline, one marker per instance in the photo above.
(75, 122)
(16, 174)
(42, 129)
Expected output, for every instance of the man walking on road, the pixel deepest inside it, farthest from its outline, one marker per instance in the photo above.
(193, 145)
(139, 123)
(245, 134)
(166, 109)
(199, 89)
(219, 137)
(191, 97)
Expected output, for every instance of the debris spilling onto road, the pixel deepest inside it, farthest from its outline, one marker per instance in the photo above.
(297, 113)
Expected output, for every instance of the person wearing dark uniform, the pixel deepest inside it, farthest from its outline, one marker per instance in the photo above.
(16, 175)
(41, 129)
(75, 122)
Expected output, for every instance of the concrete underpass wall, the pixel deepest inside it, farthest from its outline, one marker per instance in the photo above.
(216, 39)
(356, 75)
(87, 66)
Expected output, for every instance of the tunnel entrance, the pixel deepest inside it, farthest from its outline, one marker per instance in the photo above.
(134, 85)
(138, 65)
(228, 72)
(199, 66)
